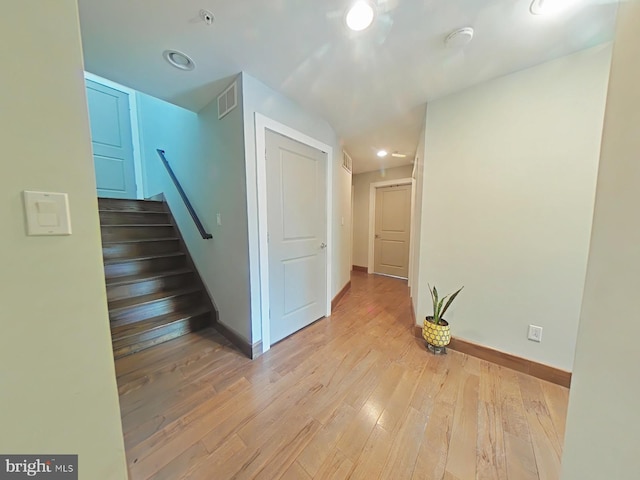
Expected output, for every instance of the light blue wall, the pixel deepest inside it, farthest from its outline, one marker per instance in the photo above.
(207, 156)
(173, 129)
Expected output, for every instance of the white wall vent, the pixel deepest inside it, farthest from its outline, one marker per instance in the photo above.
(227, 100)
(347, 163)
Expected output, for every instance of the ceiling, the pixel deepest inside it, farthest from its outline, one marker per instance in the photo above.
(371, 86)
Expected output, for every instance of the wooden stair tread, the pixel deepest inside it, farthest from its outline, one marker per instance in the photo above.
(153, 297)
(117, 261)
(137, 225)
(143, 277)
(140, 200)
(153, 212)
(140, 240)
(143, 326)
(114, 204)
(125, 201)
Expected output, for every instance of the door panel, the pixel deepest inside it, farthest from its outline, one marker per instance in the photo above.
(110, 173)
(392, 253)
(392, 230)
(297, 220)
(111, 141)
(393, 204)
(300, 283)
(297, 201)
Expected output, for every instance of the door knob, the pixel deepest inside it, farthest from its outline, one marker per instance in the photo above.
(323, 245)
(377, 236)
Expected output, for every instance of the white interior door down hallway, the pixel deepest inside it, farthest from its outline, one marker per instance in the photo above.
(297, 234)
(390, 229)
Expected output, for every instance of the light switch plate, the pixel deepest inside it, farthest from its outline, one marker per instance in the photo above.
(47, 213)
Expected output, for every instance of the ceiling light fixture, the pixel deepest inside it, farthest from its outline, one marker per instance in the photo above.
(548, 7)
(360, 16)
(398, 155)
(179, 60)
(459, 38)
(382, 153)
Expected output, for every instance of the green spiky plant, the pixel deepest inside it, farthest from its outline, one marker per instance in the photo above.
(439, 307)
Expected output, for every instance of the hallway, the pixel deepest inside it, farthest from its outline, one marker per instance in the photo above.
(352, 396)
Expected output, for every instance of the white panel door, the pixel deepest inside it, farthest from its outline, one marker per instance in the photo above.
(111, 141)
(297, 225)
(392, 230)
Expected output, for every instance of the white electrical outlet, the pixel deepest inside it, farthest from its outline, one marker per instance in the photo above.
(535, 333)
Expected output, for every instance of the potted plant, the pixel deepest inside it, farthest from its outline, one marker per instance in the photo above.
(436, 329)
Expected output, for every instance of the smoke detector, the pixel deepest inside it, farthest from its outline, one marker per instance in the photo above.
(459, 38)
(206, 16)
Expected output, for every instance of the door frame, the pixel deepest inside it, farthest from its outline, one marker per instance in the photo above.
(372, 218)
(262, 124)
(135, 131)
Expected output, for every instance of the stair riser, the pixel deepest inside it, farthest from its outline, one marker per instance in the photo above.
(130, 205)
(152, 265)
(137, 313)
(132, 218)
(148, 287)
(117, 251)
(118, 234)
(186, 325)
(137, 343)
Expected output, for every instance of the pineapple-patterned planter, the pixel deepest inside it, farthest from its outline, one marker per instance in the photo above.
(436, 335)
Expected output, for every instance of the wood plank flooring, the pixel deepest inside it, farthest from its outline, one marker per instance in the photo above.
(352, 396)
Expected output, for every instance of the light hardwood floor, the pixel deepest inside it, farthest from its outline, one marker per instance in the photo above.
(352, 396)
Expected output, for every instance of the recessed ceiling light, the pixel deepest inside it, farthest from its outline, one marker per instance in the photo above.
(398, 155)
(360, 15)
(548, 7)
(382, 153)
(178, 60)
(459, 38)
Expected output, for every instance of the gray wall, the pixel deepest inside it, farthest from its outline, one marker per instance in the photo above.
(603, 420)
(211, 158)
(258, 97)
(509, 185)
(207, 155)
(416, 234)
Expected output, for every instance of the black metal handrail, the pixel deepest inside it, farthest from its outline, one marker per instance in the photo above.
(205, 235)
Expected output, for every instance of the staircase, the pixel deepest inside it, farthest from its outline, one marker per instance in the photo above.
(153, 292)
